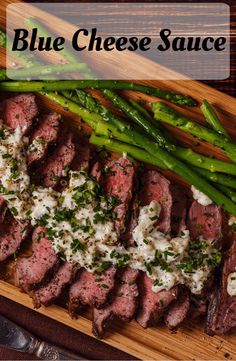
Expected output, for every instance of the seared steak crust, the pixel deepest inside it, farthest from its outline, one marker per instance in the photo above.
(46, 133)
(179, 209)
(19, 111)
(91, 289)
(32, 271)
(123, 304)
(221, 316)
(152, 305)
(3, 209)
(155, 187)
(119, 182)
(13, 233)
(178, 310)
(52, 290)
(51, 171)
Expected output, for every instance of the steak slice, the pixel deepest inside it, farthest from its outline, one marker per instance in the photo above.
(123, 305)
(155, 187)
(179, 209)
(53, 289)
(32, 271)
(119, 183)
(19, 111)
(82, 156)
(221, 316)
(91, 289)
(3, 209)
(205, 221)
(179, 309)
(53, 169)
(13, 233)
(46, 133)
(152, 305)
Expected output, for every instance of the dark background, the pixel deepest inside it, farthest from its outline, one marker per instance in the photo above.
(56, 333)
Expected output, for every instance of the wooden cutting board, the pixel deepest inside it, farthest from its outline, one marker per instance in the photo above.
(189, 342)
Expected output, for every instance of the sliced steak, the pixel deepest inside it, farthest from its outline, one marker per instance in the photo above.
(123, 305)
(3, 209)
(205, 221)
(155, 187)
(178, 310)
(82, 156)
(91, 289)
(46, 133)
(221, 315)
(53, 289)
(96, 172)
(118, 183)
(179, 209)
(13, 233)
(19, 111)
(53, 169)
(152, 304)
(198, 306)
(32, 271)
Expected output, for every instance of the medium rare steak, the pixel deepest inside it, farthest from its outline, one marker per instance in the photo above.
(119, 182)
(3, 209)
(155, 187)
(152, 305)
(32, 271)
(53, 289)
(19, 111)
(46, 133)
(82, 156)
(179, 209)
(205, 221)
(91, 289)
(55, 165)
(221, 316)
(13, 233)
(178, 310)
(122, 306)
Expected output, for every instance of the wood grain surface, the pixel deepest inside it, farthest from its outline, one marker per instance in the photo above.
(158, 343)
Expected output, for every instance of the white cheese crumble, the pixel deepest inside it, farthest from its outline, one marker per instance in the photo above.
(14, 179)
(169, 261)
(80, 223)
(200, 197)
(75, 223)
(231, 284)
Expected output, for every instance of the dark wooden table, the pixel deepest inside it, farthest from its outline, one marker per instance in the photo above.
(61, 335)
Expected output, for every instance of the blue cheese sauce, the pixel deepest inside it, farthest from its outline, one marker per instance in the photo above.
(80, 223)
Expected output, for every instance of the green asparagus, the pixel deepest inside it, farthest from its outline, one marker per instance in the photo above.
(212, 118)
(41, 70)
(143, 156)
(164, 113)
(96, 84)
(213, 165)
(66, 53)
(3, 38)
(154, 149)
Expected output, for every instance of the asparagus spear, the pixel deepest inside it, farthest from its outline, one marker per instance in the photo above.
(154, 149)
(213, 165)
(212, 118)
(66, 53)
(143, 156)
(41, 70)
(3, 38)
(229, 192)
(98, 84)
(140, 109)
(168, 115)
